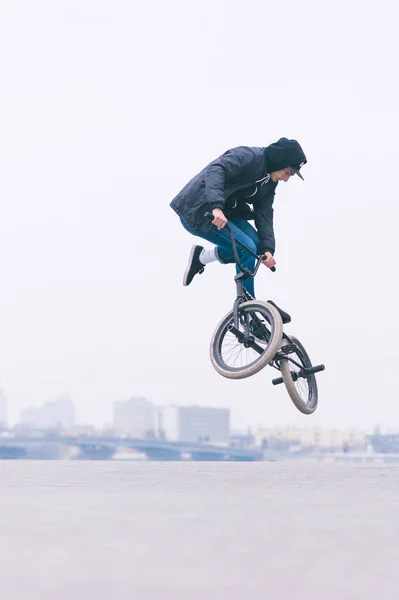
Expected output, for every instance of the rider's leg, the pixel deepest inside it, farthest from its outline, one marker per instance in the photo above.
(242, 231)
(251, 232)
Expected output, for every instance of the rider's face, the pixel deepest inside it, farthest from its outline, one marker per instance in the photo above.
(282, 175)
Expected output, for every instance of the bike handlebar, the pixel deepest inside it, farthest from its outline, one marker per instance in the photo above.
(234, 243)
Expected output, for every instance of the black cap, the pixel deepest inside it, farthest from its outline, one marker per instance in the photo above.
(296, 170)
(285, 153)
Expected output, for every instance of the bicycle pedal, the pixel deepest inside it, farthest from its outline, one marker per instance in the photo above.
(288, 349)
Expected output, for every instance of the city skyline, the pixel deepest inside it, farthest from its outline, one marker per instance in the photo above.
(234, 427)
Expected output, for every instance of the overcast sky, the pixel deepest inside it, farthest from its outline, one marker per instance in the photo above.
(106, 110)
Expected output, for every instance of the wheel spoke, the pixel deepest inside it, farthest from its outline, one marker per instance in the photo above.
(233, 352)
(301, 383)
(260, 331)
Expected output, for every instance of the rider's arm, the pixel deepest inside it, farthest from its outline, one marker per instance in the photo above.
(263, 213)
(238, 163)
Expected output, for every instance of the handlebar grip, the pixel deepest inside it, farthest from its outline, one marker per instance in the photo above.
(273, 269)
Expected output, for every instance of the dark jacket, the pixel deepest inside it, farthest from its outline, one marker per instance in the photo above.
(232, 182)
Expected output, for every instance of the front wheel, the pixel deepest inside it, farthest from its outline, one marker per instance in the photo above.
(302, 390)
(240, 352)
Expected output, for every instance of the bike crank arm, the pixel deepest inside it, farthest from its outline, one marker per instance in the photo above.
(304, 372)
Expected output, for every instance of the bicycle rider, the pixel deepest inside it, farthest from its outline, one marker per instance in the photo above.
(237, 187)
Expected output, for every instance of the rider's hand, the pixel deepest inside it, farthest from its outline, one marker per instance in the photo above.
(269, 260)
(219, 220)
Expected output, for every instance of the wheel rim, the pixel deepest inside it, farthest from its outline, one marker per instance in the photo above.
(233, 355)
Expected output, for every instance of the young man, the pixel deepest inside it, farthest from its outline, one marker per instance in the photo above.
(237, 187)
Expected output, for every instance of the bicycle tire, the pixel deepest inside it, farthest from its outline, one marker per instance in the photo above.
(273, 318)
(308, 406)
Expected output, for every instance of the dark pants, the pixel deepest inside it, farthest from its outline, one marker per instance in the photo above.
(242, 231)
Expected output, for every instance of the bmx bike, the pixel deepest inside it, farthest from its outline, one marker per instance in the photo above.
(251, 336)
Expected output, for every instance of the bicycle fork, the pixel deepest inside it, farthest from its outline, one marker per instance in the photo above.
(304, 372)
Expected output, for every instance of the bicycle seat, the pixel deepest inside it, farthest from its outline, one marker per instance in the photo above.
(284, 316)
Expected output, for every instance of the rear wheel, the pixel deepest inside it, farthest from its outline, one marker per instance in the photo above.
(302, 390)
(242, 352)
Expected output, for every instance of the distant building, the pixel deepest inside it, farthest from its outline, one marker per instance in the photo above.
(311, 439)
(3, 409)
(239, 439)
(136, 417)
(384, 443)
(55, 414)
(84, 429)
(195, 423)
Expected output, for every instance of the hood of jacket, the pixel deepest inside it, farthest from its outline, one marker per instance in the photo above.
(284, 153)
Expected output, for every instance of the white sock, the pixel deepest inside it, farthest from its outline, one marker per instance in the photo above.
(208, 256)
